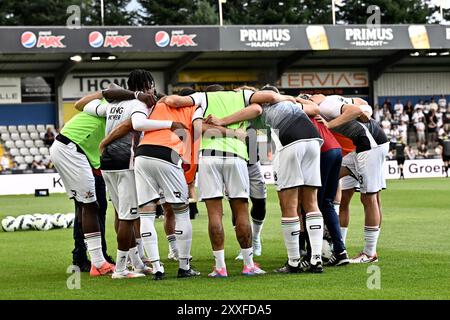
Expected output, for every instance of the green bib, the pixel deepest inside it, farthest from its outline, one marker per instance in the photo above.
(87, 132)
(222, 104)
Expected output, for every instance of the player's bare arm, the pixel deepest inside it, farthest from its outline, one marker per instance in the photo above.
(309, 107)
(239, 133)
(270, 97)
(79, 105)
(119, 94)
(251, 112)
(349, 112)
(118, 132)
(177, 101)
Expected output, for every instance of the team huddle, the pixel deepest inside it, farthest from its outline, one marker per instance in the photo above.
(152, 150)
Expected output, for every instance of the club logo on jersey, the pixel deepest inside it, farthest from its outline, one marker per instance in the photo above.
(369, 37)
(177, 39)
(111, 39)
(265, 38)
(45, 39)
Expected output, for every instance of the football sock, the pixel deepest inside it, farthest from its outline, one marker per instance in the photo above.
(172, 239)
(256, 228)
(314, 226)
(291, 231)
(94, 246)
(183, 232)
(344, 233)
(247, 255)
(140, 248)
(121, 261)
(219, 256)
(135, 258)
(150, 239)
(371, 235)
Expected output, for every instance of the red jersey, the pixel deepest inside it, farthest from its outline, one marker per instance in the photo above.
(329, 141)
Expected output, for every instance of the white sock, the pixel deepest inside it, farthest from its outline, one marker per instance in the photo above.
(371, 235)
(247, 255)
(140, 248)
(219, 256)
(336, 207)
(150, 239)
(257, 226)
(291, 232)
(183, 232)
(121, 261)
(344, 233)
(94, 246)
(172, 239)
(314, 226)
(135, 258)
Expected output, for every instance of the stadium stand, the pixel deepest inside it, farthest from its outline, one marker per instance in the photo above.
(24, 146)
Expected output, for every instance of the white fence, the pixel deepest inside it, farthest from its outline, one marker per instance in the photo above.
(27, 183)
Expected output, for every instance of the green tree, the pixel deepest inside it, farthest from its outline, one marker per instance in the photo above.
(167, 12)
(205, 13)
(392, 12)
(54, 12)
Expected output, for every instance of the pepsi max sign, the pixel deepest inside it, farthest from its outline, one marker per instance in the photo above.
(177, 38)
(111, 39)
(44, 39)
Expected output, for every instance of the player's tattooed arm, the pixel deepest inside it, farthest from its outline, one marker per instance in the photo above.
(309, 107)
(216, 130)
(175, 101)
(118, 132)
(253, 111)
(119, 94)
(348, 112)
(270, 97)
(80, 104)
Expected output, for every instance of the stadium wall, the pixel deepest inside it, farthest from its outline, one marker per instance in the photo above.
(28, 113)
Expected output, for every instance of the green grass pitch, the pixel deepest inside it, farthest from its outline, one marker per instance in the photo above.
(414, 255)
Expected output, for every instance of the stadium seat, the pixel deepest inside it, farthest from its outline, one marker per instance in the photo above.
(5, 136)
(34, 151)
(14, 152)
(38, 158)
(25, 136)
(23, 166)
(42, 135)
(44, 151)
(29, 159)
(19, 159)
(34, 135)
(40, 128)
(39, 143)
(31, 128)
(24, 151)
(12, 129)
(20, 144)
(3, 129)
(15, 136)
(29, 143)
(10, 144)
(22, 129)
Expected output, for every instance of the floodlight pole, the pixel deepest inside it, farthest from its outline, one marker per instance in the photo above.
(441, 9)
(220, 13)
(102, 12)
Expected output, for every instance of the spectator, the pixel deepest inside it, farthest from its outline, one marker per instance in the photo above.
(442, 102)
(420, 130)
(404, 117)
(49, 137)
(403, 131)
(446, 119)
(426, 107)
(419, 105)
(418, 116)
(377, 113)
(5, 162)
(432, 126)
(388, 106)
(422, 151)
(433, 105)
(410, 153)
(409, 108)
(398, 108)
(386, 124)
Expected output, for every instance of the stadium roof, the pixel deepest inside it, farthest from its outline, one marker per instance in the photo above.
(48, 50)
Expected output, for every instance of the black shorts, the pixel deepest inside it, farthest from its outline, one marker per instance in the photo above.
(445, 158)
(401, 160)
